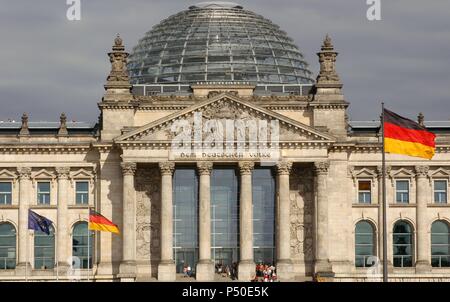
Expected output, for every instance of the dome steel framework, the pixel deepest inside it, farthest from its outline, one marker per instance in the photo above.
(217, 41)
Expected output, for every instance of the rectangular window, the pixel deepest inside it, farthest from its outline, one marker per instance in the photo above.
(440, 191)
(43, 192)
(402, 191)
(364, 191)
(5, 193)
(82, 192)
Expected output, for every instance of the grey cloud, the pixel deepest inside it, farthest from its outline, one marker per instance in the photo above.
(49, 65)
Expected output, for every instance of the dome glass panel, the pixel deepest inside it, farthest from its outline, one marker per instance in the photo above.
(217, 41)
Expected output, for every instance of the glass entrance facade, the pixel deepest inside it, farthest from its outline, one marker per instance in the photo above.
(263, 182)
(185, 217)
(225, 215)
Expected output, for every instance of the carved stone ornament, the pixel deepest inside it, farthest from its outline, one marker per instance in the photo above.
(128, 168)
(166, 168)
(327, 59)
(284, 168)
(24, 128)
(204, 168)
(63, 172)
(24, 172)
(63, 125)
(422, 171)
(118, 58)
(246, 167)
(321, 167)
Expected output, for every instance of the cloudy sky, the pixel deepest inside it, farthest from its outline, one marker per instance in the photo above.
(50, 65)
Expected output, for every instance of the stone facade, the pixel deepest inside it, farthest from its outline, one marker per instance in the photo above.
(128, 163)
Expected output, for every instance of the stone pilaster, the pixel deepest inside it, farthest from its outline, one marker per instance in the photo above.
(205, 266)
(283, 222)
(128, 264)
(423, 246)
(322, 265)
(24, 202)
(62, 231)
(166, 267)
(246, 269)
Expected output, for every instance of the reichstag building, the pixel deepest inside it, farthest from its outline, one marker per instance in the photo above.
(310, 206)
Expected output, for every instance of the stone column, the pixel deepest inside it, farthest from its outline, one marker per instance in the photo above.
(246, 269)
(283, 222)
(128, 264)
(166, 267)
(62, 230)
(24, 201)
(423, 239)
(322, 265)
(205, 266)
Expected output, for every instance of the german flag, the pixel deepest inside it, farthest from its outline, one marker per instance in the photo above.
(404, 136)
(98, 222)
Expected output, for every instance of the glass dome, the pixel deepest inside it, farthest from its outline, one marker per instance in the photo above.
(217, 41)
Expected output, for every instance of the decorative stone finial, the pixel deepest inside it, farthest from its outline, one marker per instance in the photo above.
(327, 60)
(63, 125)
(327, 44)
(118, 40)
(421, 119)
(24, 128)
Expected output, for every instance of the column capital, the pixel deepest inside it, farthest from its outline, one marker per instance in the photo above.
(63, 172)
(321, 167)
(166, 168)
(421, 171)
(380, 171)
(24, 172)
(204, 167)
(128, 168)
(246, 167)
(284, 168)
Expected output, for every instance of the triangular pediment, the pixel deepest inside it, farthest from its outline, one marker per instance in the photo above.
(440, 172)
(225, 108)
(6, 174)
(43, 174)
(81, 174)
(402, 173)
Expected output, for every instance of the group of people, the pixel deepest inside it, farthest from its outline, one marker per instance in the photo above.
(227, 270)
(265, 273)
(187, 270)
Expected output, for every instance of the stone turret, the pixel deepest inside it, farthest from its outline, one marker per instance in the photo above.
(116, 106)
(118, 87)
(328, 104)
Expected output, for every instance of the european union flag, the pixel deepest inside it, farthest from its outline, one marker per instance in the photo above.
(38, 223)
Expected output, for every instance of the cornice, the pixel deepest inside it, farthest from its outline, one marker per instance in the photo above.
(373, 147)
(21, 148)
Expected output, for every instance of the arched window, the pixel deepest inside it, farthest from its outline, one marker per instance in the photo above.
(44, 249)
(364, 244)
(80, 244)
(440, 244)
(403, 244)
(7, 246)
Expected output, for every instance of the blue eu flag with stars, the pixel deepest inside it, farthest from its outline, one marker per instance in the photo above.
(38, 223)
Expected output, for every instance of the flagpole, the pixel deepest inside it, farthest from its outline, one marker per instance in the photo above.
(89, 239)
(385, 266)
